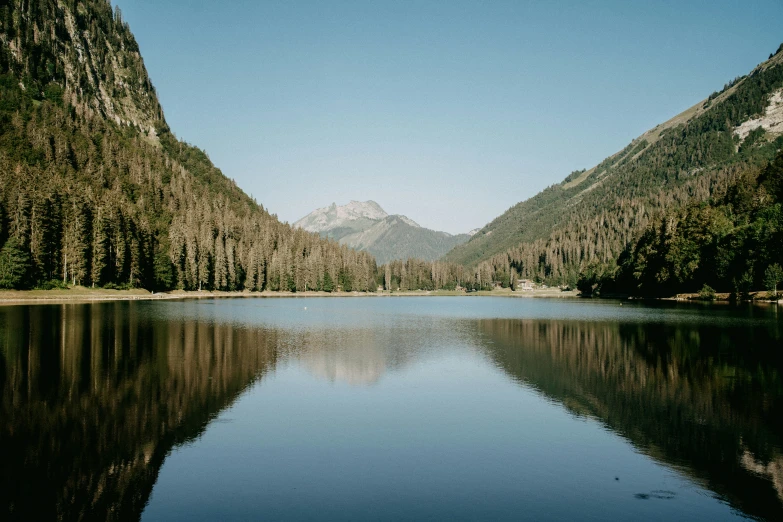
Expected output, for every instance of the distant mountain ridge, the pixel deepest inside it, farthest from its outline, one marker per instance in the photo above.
(364, 225)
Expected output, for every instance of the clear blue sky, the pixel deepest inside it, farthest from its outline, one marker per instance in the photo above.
(446, 111)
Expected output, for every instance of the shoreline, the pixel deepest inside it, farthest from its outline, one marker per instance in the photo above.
(96, 295)
(88, 295)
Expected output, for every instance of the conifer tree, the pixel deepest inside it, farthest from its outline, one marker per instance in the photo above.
(14, 265)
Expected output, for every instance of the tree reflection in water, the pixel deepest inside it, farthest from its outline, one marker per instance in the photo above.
(95, 396)
(707, 400)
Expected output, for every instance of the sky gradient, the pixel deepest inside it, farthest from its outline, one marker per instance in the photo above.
(448, 112)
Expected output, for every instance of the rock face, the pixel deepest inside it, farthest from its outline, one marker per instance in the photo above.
(89, 50)
(771, 121)
(332, 221)
(366, 226)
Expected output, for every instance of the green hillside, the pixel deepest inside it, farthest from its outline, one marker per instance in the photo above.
(594, 214)
(96, 190)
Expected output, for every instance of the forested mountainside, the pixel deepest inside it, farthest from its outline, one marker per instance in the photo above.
(593, 215)
(366, 226)
(95, 189)
(733, 244)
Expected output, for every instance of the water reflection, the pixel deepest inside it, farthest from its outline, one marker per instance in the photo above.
(94, 397)
(704, 399)
(361, 356)
(355, 359)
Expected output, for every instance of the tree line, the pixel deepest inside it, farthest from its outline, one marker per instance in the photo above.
(418, 274)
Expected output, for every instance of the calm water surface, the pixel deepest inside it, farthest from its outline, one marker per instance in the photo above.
(390, 408)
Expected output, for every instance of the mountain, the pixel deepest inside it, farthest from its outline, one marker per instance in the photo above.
(593, 215)
(95, 189)
(366, 226)
(337, 222)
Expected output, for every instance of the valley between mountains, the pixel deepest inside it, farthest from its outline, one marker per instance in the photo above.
(97, 191)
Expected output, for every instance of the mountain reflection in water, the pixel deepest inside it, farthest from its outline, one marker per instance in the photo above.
(95, 396)
(705, 399)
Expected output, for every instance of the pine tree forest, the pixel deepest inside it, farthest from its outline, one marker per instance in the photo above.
(96, 190)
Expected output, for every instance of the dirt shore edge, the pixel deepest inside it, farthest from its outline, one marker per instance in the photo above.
(79, 294)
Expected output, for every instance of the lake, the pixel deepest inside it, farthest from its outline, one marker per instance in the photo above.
(391, 408)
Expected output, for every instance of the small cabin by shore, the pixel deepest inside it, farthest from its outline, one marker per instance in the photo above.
(526, 285)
